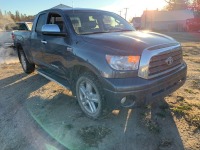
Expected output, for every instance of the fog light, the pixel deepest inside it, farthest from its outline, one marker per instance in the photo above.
(123, 100)
(128, 101)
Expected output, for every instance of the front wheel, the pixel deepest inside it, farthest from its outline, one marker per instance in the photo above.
(90, 95)
(26, 66)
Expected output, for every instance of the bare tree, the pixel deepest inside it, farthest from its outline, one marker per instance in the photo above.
(196, 5)
(177, 4)
(1, 15)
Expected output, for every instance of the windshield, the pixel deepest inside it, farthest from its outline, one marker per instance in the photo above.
(98, 22)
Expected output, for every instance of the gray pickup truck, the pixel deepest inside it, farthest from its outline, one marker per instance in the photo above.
(7, 35)
(101, 58)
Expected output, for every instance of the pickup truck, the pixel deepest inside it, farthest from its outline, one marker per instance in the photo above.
(193, 24)
(7, 35)
(101, 58)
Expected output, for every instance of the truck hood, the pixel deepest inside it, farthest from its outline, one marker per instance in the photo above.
(131, 42)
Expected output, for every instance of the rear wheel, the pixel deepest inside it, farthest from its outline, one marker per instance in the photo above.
(26, 66)
(90, 95)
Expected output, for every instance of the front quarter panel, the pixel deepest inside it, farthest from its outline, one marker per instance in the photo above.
(92, 57)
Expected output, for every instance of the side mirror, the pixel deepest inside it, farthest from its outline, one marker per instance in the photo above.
(52, 29)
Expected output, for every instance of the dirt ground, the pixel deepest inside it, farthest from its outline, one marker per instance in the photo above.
(37, 114)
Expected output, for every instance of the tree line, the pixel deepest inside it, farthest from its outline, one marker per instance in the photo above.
(16, 17)
(183, 4)
(9, 17)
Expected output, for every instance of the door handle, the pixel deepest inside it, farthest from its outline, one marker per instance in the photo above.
(69, 49)
(43, 42)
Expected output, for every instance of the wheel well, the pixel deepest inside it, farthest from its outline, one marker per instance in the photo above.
(76, 72)
(18, 47)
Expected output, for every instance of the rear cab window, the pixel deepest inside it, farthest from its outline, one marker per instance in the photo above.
(22, 26)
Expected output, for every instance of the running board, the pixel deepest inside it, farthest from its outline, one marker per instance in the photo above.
(57, 80)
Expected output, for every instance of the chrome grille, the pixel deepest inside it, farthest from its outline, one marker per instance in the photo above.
(159, 60)
(158, 63)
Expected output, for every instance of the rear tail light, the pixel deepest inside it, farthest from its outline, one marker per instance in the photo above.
(13, 36)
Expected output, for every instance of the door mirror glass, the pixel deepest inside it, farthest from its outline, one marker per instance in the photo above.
(52, 29)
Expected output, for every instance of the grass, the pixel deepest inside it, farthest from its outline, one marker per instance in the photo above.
(163, 110)
(153, 126)
(195, 60)
(193, 120)
(92, 135)
(181, 110)
(189, 91)
(148, 121)
(161, 114)
(185, 55)
(196, 84)
(148, 106)
(180, 99)
(196, 105)
(188, 110)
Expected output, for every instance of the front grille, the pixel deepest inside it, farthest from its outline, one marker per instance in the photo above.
(158, 63)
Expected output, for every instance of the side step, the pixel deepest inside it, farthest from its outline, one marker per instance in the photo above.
(58, 80)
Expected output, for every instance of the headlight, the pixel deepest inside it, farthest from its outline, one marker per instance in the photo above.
(123, 62)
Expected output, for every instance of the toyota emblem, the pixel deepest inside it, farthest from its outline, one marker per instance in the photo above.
(169, 61)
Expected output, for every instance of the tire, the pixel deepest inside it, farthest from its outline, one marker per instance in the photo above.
(90, 95)
(26, 66)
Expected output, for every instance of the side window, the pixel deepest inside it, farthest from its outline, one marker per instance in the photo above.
(76, 23)
(54, 18)
(41, 21)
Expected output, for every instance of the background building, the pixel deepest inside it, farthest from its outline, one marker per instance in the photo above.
(61, 6)
(166, 20)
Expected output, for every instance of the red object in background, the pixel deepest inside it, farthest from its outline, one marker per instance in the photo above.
(193, 24)
(13, 36)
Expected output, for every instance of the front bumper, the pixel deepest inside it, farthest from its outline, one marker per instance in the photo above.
(145, 90)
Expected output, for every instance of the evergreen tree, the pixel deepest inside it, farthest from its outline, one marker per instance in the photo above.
(17, 16)
(1, 15)
(12, 16)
